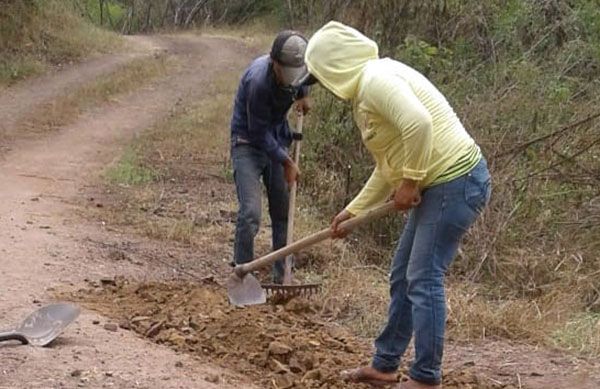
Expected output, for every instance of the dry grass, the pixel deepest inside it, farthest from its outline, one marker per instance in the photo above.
(258, 33)
(356, 294)
(40, 34)
(64, 109)
(185, 160)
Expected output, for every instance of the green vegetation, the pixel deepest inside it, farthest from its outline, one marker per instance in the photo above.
(133, 16)
(37, 33)
(129, 170)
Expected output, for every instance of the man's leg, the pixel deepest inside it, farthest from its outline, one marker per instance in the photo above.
(278, 196)
(392, 341)
(248, 164)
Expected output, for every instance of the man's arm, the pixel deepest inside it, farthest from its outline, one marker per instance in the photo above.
(303, 102)
(261, 133)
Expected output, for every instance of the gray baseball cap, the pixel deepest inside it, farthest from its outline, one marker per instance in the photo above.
(288, 49)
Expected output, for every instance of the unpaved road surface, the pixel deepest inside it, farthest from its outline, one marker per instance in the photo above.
(40, 239)
(171, 333)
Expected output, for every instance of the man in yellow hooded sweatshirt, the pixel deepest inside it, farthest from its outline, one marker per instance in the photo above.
(430, 165)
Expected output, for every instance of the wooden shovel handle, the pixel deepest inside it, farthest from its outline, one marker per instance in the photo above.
(376, 213)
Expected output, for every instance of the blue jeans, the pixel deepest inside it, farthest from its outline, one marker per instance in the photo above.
(426, 248)
(250, 164)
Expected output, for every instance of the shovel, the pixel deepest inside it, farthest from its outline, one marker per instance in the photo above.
(44, 325)
(244, 289)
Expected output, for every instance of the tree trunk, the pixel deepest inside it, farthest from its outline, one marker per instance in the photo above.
(193, 12)
(101, 6)
(147, 24)
(290, 14)
(164, 16)
(109, 16)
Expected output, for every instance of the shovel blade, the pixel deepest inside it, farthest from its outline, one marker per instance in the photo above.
(245, 291)
(44, 325)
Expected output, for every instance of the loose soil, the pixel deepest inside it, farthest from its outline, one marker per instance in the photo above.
(280, 345)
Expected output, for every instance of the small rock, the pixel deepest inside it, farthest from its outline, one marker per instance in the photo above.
(36, 301)
(35, 199)
(279, 348)
(76, 373)
(213, 378)
(296, 366)
(314, 375)
(108, 373)
(96, 322)
(178, 364)
(154, 329)
(284, 381)
(138, 319)
(176, 339)
(111, 327)
(221, 336)
(277, 366)
(124, 324)
(108, 281)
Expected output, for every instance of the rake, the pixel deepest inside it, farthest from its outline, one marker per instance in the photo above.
(244, 289)
(288, 289)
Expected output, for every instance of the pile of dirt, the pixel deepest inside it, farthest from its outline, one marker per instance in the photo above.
(276, 345)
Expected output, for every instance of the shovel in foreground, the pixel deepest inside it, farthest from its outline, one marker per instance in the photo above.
(44, 325)
(244, 289)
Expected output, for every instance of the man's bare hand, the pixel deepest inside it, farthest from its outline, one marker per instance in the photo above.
(304, 105)
(407, 195)
(336, 231)
(291, 171)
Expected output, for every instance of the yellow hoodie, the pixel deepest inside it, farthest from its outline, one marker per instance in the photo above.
(405, 122)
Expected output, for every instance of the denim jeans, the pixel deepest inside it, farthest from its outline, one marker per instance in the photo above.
(250, 164)
(426, 248)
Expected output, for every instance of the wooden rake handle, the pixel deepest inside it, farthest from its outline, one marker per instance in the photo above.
(376, 213)
(287, 274)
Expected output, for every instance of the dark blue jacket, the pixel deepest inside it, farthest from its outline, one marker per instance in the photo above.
(259, 113)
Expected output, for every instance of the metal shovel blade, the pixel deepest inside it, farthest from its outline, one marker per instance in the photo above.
(44, 325)
(245, 291)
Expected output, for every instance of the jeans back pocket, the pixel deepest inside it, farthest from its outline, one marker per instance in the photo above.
(477, 190)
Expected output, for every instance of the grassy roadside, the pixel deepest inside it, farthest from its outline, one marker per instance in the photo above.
(66, 108)
(37, 35)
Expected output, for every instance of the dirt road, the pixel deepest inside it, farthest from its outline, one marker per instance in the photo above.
(40, 238)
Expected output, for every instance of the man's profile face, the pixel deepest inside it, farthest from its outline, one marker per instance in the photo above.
(278, 74)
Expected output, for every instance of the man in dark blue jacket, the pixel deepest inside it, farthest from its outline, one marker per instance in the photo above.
(260, 137)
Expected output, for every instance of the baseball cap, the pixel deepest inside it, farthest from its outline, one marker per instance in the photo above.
(288, 49)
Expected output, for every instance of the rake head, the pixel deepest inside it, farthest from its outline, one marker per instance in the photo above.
(289, 291)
